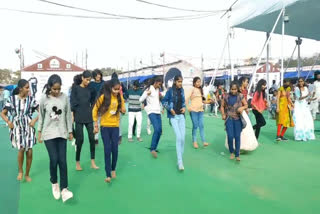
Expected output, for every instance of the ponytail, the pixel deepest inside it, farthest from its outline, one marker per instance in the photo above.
(20, 85)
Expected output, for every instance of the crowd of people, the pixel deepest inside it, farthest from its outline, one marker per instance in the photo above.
(99, 105)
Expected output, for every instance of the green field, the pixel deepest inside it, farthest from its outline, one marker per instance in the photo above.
(276, 178)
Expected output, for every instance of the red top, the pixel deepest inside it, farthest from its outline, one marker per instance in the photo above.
(244, 92)
(258, 102)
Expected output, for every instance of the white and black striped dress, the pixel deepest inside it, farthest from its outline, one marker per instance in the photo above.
(22, 136)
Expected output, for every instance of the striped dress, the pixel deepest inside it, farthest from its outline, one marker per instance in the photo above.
(22, 136)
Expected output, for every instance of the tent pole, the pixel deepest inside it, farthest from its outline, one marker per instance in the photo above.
(267, 65)
(229, 47)
(282, 47)
(294, 50)
(264, 46)
(227, 42)
(218, 64)
(315, 62)
(298, 43)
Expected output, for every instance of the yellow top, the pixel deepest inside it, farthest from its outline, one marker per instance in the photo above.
(110, 118)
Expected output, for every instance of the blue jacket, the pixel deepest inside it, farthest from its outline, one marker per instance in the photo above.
(168, 101)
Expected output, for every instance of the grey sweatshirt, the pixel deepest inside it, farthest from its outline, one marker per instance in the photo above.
(55, 119)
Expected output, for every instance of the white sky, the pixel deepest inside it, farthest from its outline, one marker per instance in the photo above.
(118, 43)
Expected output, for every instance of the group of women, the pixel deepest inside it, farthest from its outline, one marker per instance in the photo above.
(100, 110)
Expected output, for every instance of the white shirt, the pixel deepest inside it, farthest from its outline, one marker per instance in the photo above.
(153, 101)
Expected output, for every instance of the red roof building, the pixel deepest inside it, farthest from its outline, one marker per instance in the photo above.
(53, 63)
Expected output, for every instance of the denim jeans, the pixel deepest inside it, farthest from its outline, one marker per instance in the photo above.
(178, 123)
(110, 138)
(234, 128)
(57, 150)
(197, 122)
(157, 130)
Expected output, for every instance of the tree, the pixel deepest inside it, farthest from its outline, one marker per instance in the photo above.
(9, 77)
(5, 76)
(108, 71)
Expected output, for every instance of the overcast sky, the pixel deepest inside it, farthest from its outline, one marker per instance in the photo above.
(120, 43)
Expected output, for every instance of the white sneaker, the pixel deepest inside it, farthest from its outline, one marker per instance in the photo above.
(66, 195)
(149, 131)
(181, 167)
(56, 191)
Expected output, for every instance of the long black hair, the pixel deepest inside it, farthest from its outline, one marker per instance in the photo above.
(53, 79)
(176, 78)
(77, 79)
(174, 87)
(259, 88)
(95, 73)
(107, 91)
(195, 79)
(304, 85)
(20, 85)
(153, 81)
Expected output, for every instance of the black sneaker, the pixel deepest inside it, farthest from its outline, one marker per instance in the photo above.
(284, 139)
(278, 138)
(96, 142)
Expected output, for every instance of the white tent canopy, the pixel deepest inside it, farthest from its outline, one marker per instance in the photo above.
(260, 15)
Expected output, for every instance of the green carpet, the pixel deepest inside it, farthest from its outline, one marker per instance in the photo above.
(276, 178)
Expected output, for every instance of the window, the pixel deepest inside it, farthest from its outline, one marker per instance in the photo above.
(68, 66)
(39, 65)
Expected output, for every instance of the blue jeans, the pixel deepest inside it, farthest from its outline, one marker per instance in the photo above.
(157, 130)
(57, 150)
(178, 123)
(197, 121)
(110, 138)
(234, 128)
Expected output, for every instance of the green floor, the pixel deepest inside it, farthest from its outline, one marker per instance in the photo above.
(276, 178)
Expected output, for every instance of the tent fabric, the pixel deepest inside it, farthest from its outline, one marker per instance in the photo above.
(140, 78)
(303, 17)
(143, 78)
(303, 74)
(10, 87)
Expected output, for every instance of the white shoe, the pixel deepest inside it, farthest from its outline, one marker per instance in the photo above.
(181, 167)
(56, 191)
(149, 131)
(66, 195)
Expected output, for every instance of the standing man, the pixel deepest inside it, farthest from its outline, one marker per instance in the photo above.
(134, 110)
(33, 83)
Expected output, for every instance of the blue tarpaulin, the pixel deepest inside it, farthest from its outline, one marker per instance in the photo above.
(10, 87)
(140, 78)
(303, 74)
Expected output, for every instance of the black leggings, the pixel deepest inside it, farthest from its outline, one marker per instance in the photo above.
(260, 122)
(79, 139)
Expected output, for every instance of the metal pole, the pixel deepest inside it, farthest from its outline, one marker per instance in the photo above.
(315, 62)
(282, 47)
(264, 46)
(294, 50)
(229, 46)
(218, 64)
(268, 65)
(21, 59)
(298, 43)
